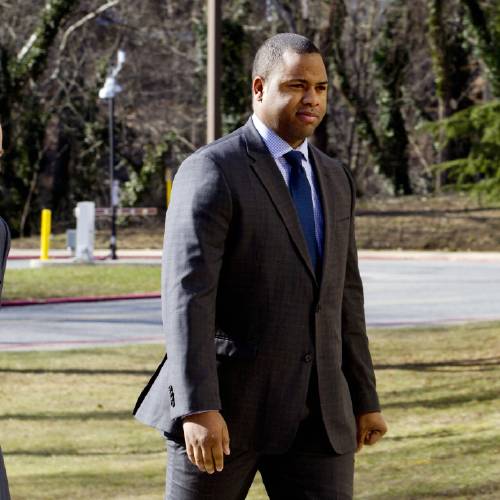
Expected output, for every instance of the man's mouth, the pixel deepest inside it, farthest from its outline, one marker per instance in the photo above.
(307, 116)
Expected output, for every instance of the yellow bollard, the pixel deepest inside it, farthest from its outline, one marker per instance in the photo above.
(168, 182)
(45, 234)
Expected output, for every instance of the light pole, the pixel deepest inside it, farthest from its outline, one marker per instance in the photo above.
(214, 125)
(109, 91)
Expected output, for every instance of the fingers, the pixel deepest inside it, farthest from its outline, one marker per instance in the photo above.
(370, 428)
(208, 461)
(218, 456)
(221, 448)
(203, 455)
(225, 439)
(198, 458)
(361, 438)
(207, 440)
(190, 453)
(372, 437)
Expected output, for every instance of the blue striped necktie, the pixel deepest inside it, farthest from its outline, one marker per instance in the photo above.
(300, 191)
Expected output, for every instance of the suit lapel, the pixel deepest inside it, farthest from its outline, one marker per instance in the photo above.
(266, 170)
(330, 195)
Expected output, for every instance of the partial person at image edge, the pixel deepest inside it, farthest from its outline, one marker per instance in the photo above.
(4, 252)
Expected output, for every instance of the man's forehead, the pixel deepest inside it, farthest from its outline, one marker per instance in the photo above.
(307, 67)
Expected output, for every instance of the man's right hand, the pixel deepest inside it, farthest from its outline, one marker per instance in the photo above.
(207, 440)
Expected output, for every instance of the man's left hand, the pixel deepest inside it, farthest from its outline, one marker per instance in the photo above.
(370, 428)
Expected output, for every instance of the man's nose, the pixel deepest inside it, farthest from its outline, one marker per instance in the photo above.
(311, 97)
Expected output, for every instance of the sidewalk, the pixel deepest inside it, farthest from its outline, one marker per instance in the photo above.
(133, 256)
(30, 258)
(34, 253)
(428, 255)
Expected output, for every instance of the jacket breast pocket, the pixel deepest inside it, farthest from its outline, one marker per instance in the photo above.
(234, 349)
(343, 217)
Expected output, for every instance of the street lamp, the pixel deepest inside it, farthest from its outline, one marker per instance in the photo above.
(109, 91)
(214, 121)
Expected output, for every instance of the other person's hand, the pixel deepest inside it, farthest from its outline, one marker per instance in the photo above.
(370, 428)
(207, 440)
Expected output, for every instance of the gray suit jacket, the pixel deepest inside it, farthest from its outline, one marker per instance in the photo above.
(244, 314)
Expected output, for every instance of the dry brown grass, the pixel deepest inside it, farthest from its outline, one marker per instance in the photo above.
(447, 222)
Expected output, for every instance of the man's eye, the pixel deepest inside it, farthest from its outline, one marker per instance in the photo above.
(321, 88)
(297, 85)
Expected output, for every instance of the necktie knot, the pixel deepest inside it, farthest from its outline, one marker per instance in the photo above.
(294, 159)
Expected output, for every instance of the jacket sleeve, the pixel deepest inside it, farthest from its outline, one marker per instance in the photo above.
(356, 359)
(196, 226)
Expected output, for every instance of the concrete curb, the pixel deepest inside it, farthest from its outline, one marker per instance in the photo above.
(429, 255)
(152, 255)
(98, 258)
(87, 298)
(99, 254)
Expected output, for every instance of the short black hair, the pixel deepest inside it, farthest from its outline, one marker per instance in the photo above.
(270, 53)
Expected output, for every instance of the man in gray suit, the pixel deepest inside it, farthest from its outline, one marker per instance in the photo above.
(268, 364)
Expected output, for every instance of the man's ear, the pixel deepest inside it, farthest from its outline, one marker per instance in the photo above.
(258, 88)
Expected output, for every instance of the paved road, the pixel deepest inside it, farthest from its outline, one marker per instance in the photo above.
(66, 326)
(405, 293)
(397, 293)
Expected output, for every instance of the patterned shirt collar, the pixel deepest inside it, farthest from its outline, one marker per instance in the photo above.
(276, 145)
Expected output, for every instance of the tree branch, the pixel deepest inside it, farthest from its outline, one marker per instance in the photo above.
(32, 58)
(74, 27)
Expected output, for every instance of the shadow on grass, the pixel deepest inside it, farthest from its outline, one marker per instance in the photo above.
(447, 401)
(94, 415)
(69, 452)
(471, 492)
(463, 212)
(441, 433)
(482, 363)
(102, 484)
(76, 371)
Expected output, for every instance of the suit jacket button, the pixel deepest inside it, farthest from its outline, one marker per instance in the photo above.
(307, 357)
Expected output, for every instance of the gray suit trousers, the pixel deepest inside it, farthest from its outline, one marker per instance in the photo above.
(295, 475)
(310, 469)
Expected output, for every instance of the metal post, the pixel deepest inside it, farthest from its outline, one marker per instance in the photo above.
(214, 128)
(112, 197)
(168, 185)
(45, 234)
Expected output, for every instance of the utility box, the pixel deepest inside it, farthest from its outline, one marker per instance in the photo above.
(85, 231)
(71, 240)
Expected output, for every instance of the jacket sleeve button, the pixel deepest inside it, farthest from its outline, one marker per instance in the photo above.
(307, 357)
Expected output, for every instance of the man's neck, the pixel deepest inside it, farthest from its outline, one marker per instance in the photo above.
(263, 123)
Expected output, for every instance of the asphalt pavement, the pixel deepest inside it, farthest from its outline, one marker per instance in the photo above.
(86, 324)
(428, 292)
(401, 289)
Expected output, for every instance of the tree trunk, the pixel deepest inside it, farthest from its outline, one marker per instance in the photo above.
(489, 40)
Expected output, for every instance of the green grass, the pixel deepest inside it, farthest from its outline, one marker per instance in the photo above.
(66, 429)
(63, 281)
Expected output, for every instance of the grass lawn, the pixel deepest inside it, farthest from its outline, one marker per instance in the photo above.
(67, 432)
(63, 281)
